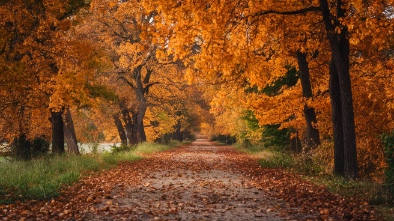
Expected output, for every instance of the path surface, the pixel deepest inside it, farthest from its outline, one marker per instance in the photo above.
(197, 182)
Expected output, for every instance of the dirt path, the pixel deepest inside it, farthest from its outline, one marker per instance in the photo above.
(198, 182)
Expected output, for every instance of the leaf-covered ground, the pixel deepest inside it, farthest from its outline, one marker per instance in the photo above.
(197, 182)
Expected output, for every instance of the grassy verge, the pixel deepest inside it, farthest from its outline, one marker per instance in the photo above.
(43, 178)
(268, 158)
(363, 190)
(314, 171)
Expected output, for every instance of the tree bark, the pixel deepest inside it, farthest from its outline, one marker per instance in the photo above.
(178, 133)
(121, 131)
(21, 147)
(57, 132)
(295, 144)
(348, 125)
(312, 137)
(339, 41)
(141, 136)
(142, 133)
(69, 133)
(129, 124)
(336, 107)
(134, 129)
(142, 104)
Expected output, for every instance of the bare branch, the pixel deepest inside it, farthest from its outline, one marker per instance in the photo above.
(295, 12)
(146, 88)
(127, 81)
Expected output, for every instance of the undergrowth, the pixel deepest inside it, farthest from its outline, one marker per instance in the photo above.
(277, 160)
(44, 177)
(317, 167)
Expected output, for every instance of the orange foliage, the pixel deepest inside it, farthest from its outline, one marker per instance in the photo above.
(239, 44)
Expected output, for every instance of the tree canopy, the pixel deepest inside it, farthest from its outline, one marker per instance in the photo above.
(131, 71)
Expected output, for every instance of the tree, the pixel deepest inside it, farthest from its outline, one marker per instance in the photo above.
(37, 38)
(225, 29)
(134, 39)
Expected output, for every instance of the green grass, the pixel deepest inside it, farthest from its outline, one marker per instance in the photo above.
(251, 149)
(149, 148)
(277, 160)
(268, 158)
(43, 178)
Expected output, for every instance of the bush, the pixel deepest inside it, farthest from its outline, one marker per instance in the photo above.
(226, 139)
(318, 161)
(39, 147)
(273, 137)
(189, 136)
(26, 149)
(306, 164)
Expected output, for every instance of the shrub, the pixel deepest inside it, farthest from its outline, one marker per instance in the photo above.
(26, 149)
(318, 161)
(306, 164)
(226, 139)
(39, 147)
(273, 137)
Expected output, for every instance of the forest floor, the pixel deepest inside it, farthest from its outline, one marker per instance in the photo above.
(201, 181)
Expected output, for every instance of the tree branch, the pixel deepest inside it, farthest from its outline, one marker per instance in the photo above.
(147, 76)
(146, 88)
(127, 81)
(295, 12)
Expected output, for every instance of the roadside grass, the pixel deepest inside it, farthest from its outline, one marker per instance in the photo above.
(149, 148)
(43, 178)
(362, 189)
(268, 158)
(312, 168)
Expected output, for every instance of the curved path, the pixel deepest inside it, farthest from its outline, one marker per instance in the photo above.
(201, 181)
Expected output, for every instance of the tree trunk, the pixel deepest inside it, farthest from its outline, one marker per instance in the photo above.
(69, 133)
(142, 133)
(141, 136)
(312, 137)
(57, 132)
(121, 131)
(21, 148)
(339, 41)
(129, 124)
(178, 133)
(348, 125)
(134, 129)
(295, 144)
(336, 107)
(142, 106)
